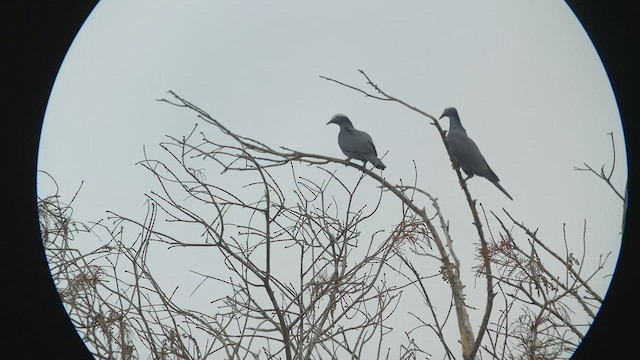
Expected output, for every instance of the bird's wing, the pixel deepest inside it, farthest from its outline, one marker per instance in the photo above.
(359, 145)
(468, 154)
(356, 142)
(371, 148)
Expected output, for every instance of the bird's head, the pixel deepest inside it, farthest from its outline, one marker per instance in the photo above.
(340, 119)
(449, 112)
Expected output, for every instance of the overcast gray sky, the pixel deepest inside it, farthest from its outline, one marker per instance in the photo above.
(527, 83)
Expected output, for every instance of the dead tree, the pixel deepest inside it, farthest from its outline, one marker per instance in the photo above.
(298, 266)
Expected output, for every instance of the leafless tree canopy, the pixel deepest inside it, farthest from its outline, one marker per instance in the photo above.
(284, 255)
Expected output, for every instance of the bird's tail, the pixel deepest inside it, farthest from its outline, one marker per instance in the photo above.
(497, 184)
(376, 162)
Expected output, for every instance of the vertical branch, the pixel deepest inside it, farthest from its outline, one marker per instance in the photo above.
(284, 329)
(601, 175)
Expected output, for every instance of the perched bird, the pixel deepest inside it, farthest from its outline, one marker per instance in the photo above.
(354, 143)
(466, 151)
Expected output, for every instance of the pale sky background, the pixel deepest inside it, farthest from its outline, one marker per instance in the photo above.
(527, 82)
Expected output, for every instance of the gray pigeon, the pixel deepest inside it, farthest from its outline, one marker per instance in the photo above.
(354, 143)
(466, 151)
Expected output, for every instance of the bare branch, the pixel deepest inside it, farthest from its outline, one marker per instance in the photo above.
(601, 175)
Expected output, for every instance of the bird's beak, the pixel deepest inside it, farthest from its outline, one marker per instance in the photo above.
(441, 116)
(330, 122)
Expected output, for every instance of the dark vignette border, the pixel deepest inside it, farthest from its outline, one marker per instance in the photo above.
(35, 38)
